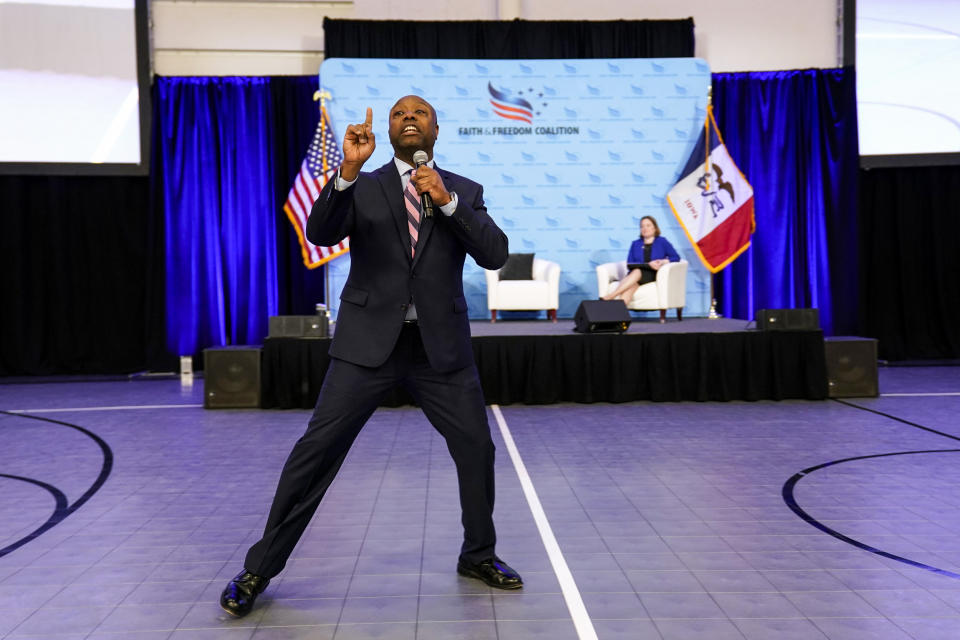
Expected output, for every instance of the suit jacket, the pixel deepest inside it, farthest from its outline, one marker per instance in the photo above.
(383, 278)
(661, 249)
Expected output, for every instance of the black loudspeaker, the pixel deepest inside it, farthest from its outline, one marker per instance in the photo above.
(788, 319)
(297, 327)
(601, 316)
(851, 367)
(231, 378)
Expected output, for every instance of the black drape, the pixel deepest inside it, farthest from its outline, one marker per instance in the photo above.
(668, 367)
(909, 231)
(78, 257)
(516, 39)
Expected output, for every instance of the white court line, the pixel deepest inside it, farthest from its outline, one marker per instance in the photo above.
(581, 619)
(919, 395)
(118, 408)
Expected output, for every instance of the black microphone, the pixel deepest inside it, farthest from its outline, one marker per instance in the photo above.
(426, 202)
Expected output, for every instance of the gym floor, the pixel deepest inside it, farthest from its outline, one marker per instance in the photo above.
(125, 507)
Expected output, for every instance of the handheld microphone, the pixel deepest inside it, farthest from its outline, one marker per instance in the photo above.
(426, 202)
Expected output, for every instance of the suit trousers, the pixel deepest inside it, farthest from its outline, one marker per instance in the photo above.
(454, 404)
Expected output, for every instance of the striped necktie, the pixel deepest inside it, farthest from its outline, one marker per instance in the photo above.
(412, 202)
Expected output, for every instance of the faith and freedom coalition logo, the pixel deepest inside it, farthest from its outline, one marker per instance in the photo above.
(511, 107)
(520, 108)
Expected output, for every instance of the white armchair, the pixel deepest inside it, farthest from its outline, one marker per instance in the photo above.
(542, 292)
(669, 291)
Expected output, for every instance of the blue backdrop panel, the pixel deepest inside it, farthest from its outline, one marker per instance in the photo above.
(571, 153)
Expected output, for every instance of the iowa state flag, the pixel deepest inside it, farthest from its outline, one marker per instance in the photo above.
(713, 201)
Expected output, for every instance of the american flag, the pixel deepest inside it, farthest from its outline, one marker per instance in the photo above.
(321, 163)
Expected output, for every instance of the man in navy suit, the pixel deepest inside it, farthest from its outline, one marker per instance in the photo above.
(403, 320)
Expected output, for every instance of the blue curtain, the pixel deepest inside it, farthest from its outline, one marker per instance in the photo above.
(794, 135)
(219, 209)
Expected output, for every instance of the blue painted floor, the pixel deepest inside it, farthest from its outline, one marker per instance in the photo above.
(671, 518)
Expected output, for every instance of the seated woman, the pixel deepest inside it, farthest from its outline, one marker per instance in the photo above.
(650, 249)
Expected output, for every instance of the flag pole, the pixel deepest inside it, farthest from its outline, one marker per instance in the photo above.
(321, 95)
(712, 314)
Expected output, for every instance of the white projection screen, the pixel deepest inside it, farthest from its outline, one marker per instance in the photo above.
(74, 86)
(908, 98)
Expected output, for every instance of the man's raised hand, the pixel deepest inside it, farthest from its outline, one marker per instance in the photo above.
(358, 145)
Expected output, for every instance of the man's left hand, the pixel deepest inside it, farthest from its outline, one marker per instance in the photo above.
(426, 180)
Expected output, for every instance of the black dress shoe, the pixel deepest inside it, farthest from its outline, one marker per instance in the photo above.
(241, 592)
(493, 571)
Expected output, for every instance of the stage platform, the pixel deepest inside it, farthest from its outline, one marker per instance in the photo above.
(542, 362)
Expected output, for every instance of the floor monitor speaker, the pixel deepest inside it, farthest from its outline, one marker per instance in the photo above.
(851, 367)
(601, 316)
(788, 319)
(231, 377)
(297, 327)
